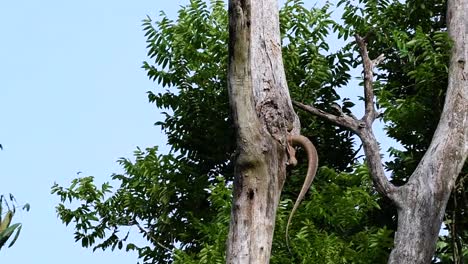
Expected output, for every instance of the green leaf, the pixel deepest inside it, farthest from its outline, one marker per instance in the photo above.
(18, 231)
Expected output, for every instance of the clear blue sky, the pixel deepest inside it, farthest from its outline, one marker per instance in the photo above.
(73, 98)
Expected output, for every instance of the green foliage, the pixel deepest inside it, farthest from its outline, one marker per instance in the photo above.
(331, 227)
(213, 234)
(7, 230)
(335, 225)
(453, 246)
(411, 82)
(410, 86)
(415, 97)
(152, 199)
(165, 197)
(195, 80)
(313, 73)
(177, 202)
(180, 202)
(447, 254)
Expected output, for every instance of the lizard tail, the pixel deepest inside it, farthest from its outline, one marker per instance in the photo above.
(312, 156)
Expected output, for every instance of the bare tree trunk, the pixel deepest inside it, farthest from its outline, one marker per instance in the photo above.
(419, 221)
(424, 198)
(421, 202)
(263, 115)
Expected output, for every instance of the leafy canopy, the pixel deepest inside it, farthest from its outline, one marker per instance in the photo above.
(180, 202)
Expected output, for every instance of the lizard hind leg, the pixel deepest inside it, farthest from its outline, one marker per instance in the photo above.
(292, 155)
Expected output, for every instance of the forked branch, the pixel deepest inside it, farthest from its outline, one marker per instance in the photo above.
(363, 127)
(368, 64)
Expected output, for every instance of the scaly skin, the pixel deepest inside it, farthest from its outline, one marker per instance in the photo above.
(299, 140)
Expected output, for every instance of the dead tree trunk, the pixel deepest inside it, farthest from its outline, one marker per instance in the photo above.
(263, 115)
(424, 198)
(421, 202)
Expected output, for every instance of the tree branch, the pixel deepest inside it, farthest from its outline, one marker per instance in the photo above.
(370, 112)
(374, 163)
(342, 120)
(150, 236)
(363, 127)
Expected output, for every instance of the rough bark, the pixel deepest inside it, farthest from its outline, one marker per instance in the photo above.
(263, 115)
(421, 202)
(425, 196)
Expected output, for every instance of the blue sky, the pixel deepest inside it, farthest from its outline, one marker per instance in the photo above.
(73, 98)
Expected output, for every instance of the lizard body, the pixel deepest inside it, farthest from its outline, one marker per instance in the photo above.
(312, 157)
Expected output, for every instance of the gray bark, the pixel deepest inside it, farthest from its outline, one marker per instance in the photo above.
(262, 113)
(423, 199)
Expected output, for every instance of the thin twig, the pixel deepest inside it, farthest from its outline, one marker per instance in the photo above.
(150, 236)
